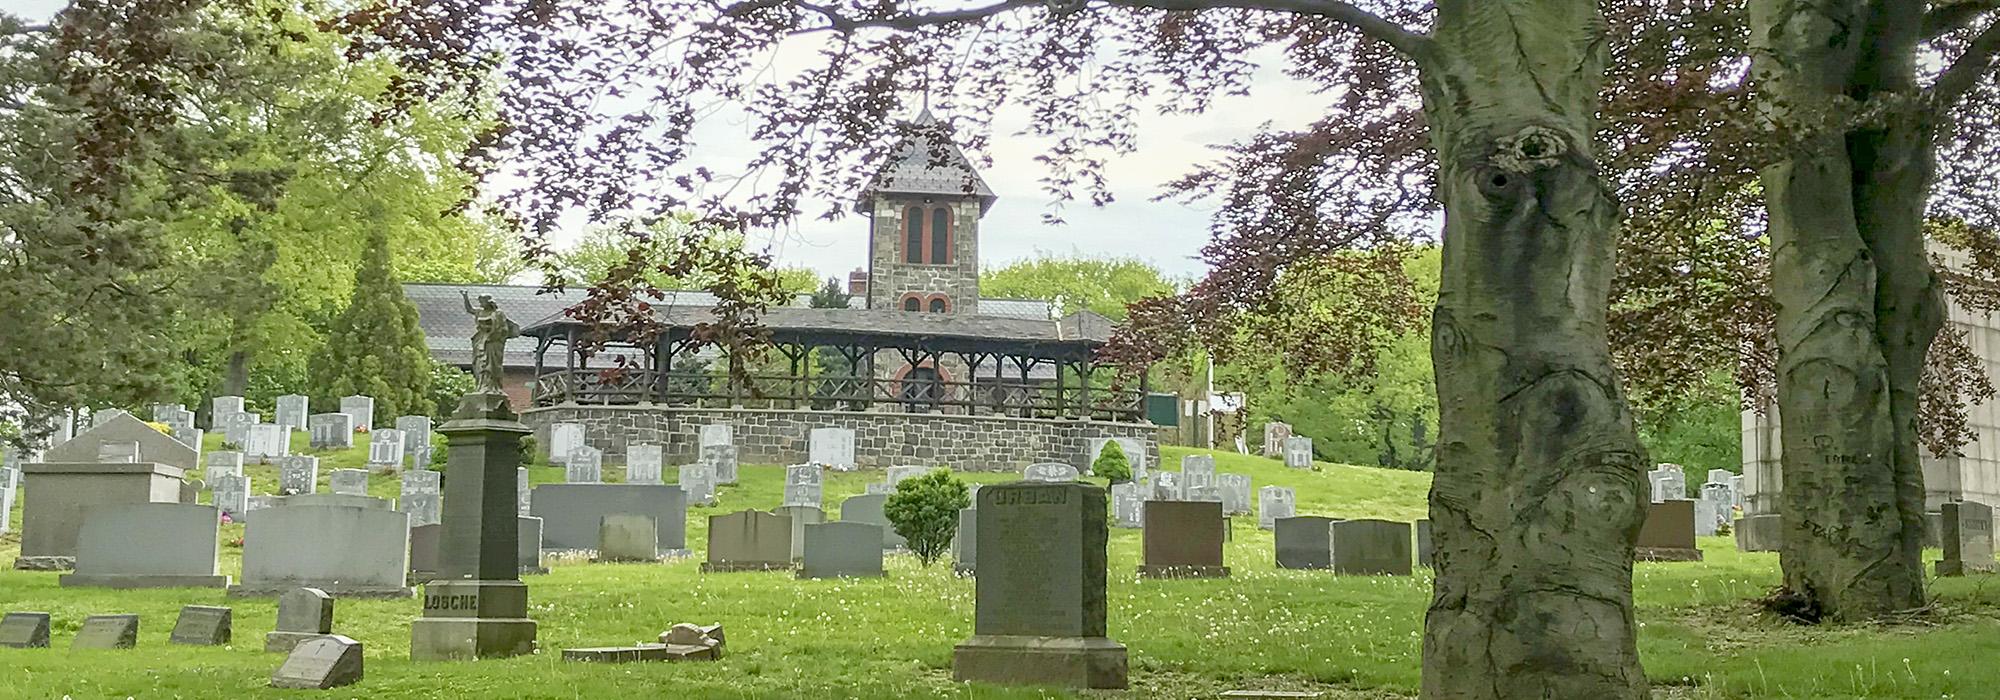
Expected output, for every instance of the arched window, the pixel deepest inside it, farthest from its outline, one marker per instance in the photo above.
(913, 235)
(912, 303)
(940, 236)
(939, 304)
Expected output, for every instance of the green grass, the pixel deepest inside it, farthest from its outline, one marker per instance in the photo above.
(1351, 637)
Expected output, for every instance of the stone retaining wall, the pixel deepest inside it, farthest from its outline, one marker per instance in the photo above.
(767, 436)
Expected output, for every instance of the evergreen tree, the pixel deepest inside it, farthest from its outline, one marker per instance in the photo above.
(375, 347)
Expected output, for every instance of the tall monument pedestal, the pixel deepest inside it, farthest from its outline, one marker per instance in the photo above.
(478, 607)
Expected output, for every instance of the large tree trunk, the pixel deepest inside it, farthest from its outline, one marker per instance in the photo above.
(1539, 495)
(1858, 303)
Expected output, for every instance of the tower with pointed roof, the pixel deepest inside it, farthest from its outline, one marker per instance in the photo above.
(924, 207)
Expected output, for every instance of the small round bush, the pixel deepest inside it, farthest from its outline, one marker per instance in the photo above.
(924, 511)
(1111, 463)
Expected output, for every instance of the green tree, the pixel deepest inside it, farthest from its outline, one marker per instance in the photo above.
(1101, 284)
(604, 248)
(1111, 464)
(924, 511)
(376, 347)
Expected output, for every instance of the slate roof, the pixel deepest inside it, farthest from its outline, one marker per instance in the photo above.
(927, 163)
(1074, 336)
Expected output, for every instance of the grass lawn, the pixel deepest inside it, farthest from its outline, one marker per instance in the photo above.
(1349, 637)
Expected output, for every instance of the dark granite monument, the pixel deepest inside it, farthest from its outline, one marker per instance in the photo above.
(24, 630)
(477, 607)
(1371, 548)
(320, 663)
(1304, 542)
(202, 625)
(107, 632)
(1668, 534)
(1183, 539)
(842, 549)
(749, 540)
(303, 613)
(1040, 615)
(1966, 532)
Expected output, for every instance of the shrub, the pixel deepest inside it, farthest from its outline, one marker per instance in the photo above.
(1111, 463)
(925, 512)
(448, 383)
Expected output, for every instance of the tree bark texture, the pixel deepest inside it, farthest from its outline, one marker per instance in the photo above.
(1539, 493)
(1858, 302)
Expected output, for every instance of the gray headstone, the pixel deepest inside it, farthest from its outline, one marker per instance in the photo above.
(1050, 472)
(231, 495)
(1966, 533)
(965, 542)
(153, 446)
(225, 405)
(188, 435)
(385, 447)
(643, 464)
(584, 465)
(221, 464)
(202, 625)
(698, 482)
(1275, 502)
(147, 545)
(1668, 482)
(564, 438)
(1183, 538)
(1299, 452)
(424, 508)
(330, 431)
(342, 549)
(1128, 504)
(717, 434)
(320, 663)
(266, 441)
(528, 536)
(868, 509)
(899, 474)
(236, 427)
(721, 461)
(1166, 487)
(571, 513)
(1041, 560)
(107, 632)
(1275, 434)
(800, 516)
(362, 408)
(1371, 547)
(803, 484)
(628, 537)
(298, 474)
(749, 539)
(842, 549)
(521, 489)
(424, 561)
(307, 610)
(1304, 542)
(1424, 543)
(1235, 490)
(352, 482)
(831, 447)
(24, 630)
(422, 481)
(1198, 471)
(416, 432)
(292, 412)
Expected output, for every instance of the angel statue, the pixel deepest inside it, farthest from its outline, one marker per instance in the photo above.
(490, 332)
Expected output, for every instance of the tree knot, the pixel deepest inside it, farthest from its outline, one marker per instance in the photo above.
(1532, 148)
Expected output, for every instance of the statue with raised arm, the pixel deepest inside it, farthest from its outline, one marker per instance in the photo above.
(490, 332)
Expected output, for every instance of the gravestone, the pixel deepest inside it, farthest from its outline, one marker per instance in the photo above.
(320, 663)
(152, 445)
(1166, 486)
(265, 442)
(221, 464)
(297, 474)
(1274, 502)
(584, 465)
(24, 630)
(571, 513)
(147, 545)
(330, 431)
(101, 417)
(58, 496)
(1128, 504)
(1668, 482)
(717, 434)
(236, 428)
(698, 483)
(362, 409)
(1135, 454)
(424, 560)
(721, 461)
(1198, 479)
(1967, 537)
(800, 516)
(831, 447)
(1668, 534)
(1371, 548)
(899, 474)
(1712, 509)
(868, 509)
(188, 435)
(385, 448)
(1235, 491)
(1736, 490)
(202, 625)
(1049, 472)
(231, 495)
(627, 537)
(422, 496)
(303, 613)
(422, 481)
(352, 482)
(1040, 591)
(1183, 539)
(749, 540)
(803, 484)
(348, 550)
(1424, 549)
(643, 463)
(416, 432)
(225, 405)
(1304, 542)
(1275, 435)
(477, 607)
(564, 438)
(965, 542)
(10, 483)
(522, 494)
(107, 632)
(292, 412)
(844, 549)
(528, 531)
(1299, 452)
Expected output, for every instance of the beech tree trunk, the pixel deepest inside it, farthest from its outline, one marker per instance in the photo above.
(1858, 302)
(1539, 494)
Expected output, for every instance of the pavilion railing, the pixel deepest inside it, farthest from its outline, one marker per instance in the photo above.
(983, 396)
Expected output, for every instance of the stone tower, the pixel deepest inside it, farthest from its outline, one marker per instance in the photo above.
(924, 207)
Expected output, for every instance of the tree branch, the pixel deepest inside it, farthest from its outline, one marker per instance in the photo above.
(1967, 69)
(1946, 18)
(1412, 44)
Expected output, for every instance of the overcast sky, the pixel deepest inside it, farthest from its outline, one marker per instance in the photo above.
(1166, 234)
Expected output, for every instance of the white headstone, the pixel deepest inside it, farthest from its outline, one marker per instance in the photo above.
(1275, 502)
(1668, 482)
(224, 405)
(1299, 452)
(416, 432)
(297, 474)
(221, 464)
(1128, 504)
(717, 434)
(698, 483)
(1049, 471)
(292, 412)
(236, 426)
(10, 480)
(564, 438)
(721, 460)
(1166, 487)
(267, 441)
(422, 481)
(643, 464)
(1235, 489)
(362, 408)
(584, 465)
(833, 447)
(803, 483)
(385, 447)
(521, 489)
(331, 431)
(352, 482)
(232, 495)
(898, 474)
(1275, 434)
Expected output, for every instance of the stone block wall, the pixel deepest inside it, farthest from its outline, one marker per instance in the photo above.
(768, 436)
